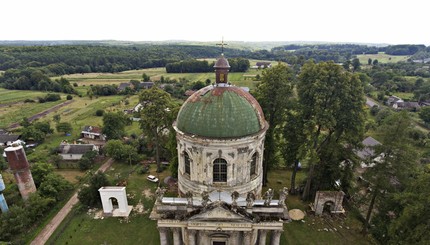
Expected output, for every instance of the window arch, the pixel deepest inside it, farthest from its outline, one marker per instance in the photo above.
(253, 169)
(220, 170)
(187, 163)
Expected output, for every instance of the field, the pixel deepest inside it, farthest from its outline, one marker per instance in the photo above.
(87, 79)
(381, 57)
(10, 96)
(81, 227)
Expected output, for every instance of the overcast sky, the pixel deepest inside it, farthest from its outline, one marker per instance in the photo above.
(365, 21)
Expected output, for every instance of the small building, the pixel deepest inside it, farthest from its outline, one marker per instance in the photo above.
(75, 151)
(262, 64)
(412, 106)
(7, 139)
(122, 86)
(393, 99)
(91, 132)
(146, 85)
(367, 153)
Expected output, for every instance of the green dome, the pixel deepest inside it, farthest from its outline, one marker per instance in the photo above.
(221, 112)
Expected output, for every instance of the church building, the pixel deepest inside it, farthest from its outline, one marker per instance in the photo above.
(220, 133)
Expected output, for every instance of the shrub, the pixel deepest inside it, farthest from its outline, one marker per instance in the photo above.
(52, 97)
(69, 97)
(99, 113)
(29, 101)
(143, 170)
(75, 84)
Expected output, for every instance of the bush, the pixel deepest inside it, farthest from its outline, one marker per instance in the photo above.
(75, 84)
(29, 101)
(41, 100)
(100, 113)
(52, 97)
(143, 169)
(69, 97)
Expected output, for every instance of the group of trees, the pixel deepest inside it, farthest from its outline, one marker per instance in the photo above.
(322, 123)
(315, 124)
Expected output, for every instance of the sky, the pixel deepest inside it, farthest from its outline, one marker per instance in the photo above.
(359, 21)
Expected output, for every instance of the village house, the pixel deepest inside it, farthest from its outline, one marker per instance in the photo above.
(367, 153)
(122, 86)
(262, 64)
(393, 99)
(75, 151)
(412, 106)
(91, 132)
(146, 85)
(7, 139)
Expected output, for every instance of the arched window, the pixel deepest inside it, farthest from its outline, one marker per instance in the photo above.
(254, 164)
(220, 170)
(187, 163)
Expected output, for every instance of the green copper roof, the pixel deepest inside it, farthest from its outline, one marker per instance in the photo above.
(220, 112)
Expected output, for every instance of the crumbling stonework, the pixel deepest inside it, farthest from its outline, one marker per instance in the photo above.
(329, 199)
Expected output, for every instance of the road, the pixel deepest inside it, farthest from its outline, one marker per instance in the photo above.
(56, 221)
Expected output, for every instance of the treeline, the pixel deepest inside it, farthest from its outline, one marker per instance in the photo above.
(34, 79)
(196, 66)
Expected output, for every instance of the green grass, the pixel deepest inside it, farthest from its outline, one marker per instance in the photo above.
(10, 96)
(405, 96)
(381, 57)
(15, 112)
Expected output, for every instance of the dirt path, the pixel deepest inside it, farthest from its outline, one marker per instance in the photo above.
(56, 221)
(43, 113)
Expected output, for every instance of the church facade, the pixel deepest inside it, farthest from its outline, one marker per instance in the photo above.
(220, 133)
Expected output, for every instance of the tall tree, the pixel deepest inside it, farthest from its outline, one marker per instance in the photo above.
(331, 101)
(273, 94)
(397, 164)
(114, 125)
(64, 127)
(157, 115)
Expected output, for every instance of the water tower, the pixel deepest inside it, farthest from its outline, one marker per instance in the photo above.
(3, 204)
(21, 170)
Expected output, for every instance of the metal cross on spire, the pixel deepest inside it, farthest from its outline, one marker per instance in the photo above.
(222, 44)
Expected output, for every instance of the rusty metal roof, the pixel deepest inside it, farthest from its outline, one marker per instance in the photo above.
(221, 112)
(222, 63)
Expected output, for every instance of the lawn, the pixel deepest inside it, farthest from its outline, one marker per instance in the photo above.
(381, 57)
(82, 228)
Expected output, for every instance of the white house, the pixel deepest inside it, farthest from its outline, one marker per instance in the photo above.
(75, 151)
(91, 132)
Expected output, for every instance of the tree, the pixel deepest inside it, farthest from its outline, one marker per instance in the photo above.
(294, 140)
(331, 102)
(273, 93)
(69, 97)
(356, 64)
(89, 195)
(156, 116)
(33, 133)
(114, 125)
(411, 224)
(375, 62)
(54, 186)
(369, 61)
(39, 171)
(45, 127)
(399, 160)
(100, 112)
(64, 127)
(146, 78)
(425, 114)
(87, 160)
(121, 152)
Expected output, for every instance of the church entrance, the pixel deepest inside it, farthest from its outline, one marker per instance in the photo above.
(219, 243)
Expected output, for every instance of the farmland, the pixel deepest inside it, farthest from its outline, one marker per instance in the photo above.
(382, 58)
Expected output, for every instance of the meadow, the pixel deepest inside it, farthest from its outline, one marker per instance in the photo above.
(382, 58)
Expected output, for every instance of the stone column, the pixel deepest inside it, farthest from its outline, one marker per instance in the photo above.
(262, 237)
(276, 237)
(163, 235)
(247, 235)
(177, 240)
(191, 237)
